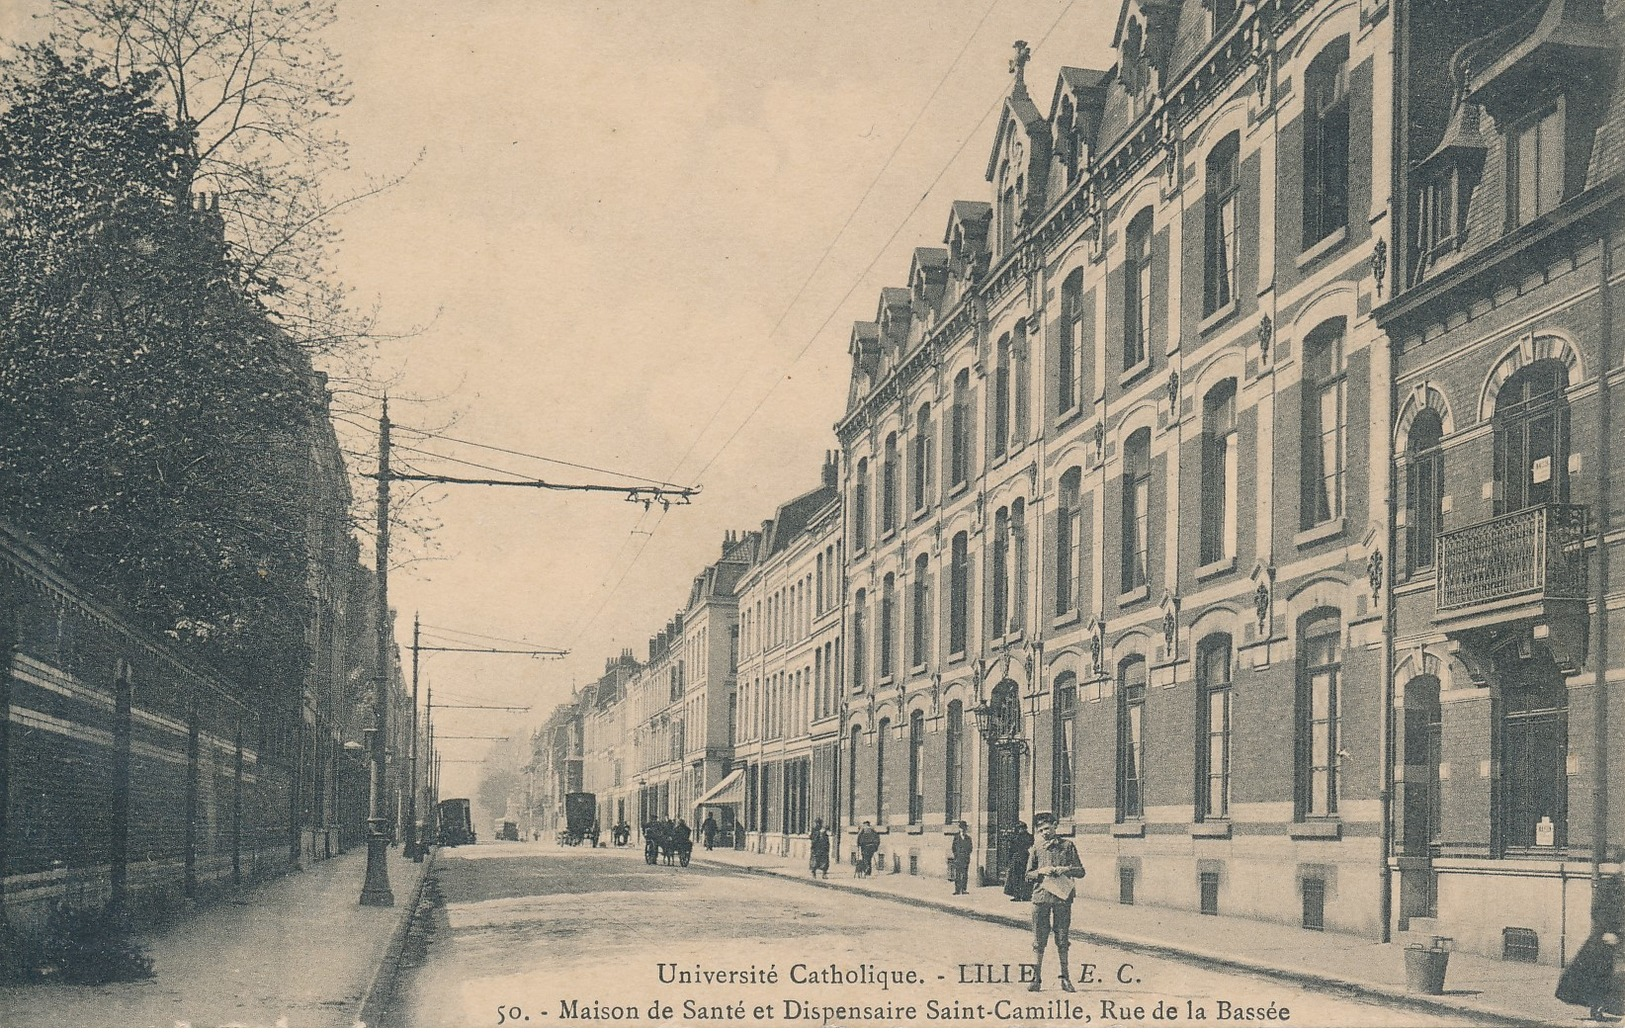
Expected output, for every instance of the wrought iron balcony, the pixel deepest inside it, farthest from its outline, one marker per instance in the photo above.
(1536, 553)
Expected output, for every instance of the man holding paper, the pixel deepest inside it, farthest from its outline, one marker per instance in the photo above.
(1053, 868)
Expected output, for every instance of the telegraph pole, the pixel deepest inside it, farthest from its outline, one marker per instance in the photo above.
(375, 890)
(414, 849)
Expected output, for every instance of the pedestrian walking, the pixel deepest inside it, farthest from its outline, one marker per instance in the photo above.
(1016, 885)
(961, 852)
(868, 842)
(709, 831)
(1589, 979)
(818, 850)
(1053, 871)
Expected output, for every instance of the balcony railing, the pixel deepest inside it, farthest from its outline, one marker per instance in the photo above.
(1536, 551)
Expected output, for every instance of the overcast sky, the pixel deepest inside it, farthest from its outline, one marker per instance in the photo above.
(615, 206)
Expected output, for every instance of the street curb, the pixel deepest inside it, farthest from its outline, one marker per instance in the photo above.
(1311, 979)
(381, 989)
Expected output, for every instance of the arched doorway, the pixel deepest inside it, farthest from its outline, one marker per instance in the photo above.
(1005, 746)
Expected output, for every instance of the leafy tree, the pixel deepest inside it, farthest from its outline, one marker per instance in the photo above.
(157, 426)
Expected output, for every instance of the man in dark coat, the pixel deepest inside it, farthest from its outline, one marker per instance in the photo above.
(868, 843)
(1053, 870)
(1589, 978)
(818, 849)
(709, 830)
(1016, 885)
(961, 852)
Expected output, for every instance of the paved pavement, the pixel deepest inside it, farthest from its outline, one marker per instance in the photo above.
(1477, 989)
(540, 936)
(298, 950)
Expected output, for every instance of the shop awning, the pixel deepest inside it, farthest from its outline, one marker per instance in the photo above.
(730, 791)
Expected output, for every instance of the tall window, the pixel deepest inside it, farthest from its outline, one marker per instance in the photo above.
(1137, 292)
(860, 636)
(1062, 775)
(1007, 211)
(1137, 510)
(1131, 738)
(1219, 472)
(959, 444)
(1001, 570)
(920, 482)
(856, 739)
(1532, 437)
(1221, 253)
(1069, 353)
(1319, 642)
(921, 638)
(882, 732)
(1213, 727)
(1326, 143)
(1534, 743)
(1424, 495)
(888, 625)
(888, 486)
(916, 768)
(958, 593)
(1019, 377)
(1535, 156)
(860, 506)
(1068, 541)
(1001, 395)
(1018, 566)
(954, 775)
(1323, 456)
(818, 590)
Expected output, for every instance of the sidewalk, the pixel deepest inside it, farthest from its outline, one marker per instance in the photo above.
(1476, 988)
(298, 950)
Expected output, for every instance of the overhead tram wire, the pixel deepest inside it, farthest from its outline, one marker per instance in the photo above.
(858, 282)
(543, 458)
(850, 216)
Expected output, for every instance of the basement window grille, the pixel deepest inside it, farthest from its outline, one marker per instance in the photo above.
(1125, 886)
(1210, 892)
(1521, 945)
(1314, 904)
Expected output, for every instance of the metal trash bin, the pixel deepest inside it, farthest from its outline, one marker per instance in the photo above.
(1425, 967)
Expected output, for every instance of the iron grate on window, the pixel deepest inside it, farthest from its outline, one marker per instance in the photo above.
(913, 861)
(1521, 945)
(1210, 892)
(1314, 904)
(1125, 886)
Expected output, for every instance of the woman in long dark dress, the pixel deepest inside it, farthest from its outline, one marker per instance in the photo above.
(1589, 978)
(1016, 885)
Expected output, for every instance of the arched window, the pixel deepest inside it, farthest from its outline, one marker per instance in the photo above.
(959, 443)
(1532, 437)
(1018, 566)
(1007, 205)
(1323, 424)
(1137, 289)
(1068, 542)
(856, 739)
(1001, 396)
(860, 506)
(1222, 244)
(1001, 570)
(921, 641)
(1320, 662)
(1069, 355)
(1137, 510)
(860, 637)
(958, 594)
(882, 732)
(1213, 727)
(1424, 495)
(1219, 472)
(916, 768)
(1326, 143)
(1062, 775)
(1131, 738)
(954, 773)
(920, 482)
(888, 625)
(888, 486)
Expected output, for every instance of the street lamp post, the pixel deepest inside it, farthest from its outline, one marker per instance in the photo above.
(375, 890)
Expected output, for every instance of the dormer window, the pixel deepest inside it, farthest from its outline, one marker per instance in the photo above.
(1224, 12)
(1535, 164)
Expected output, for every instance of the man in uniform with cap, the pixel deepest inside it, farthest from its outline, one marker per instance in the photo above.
(1053, 869)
